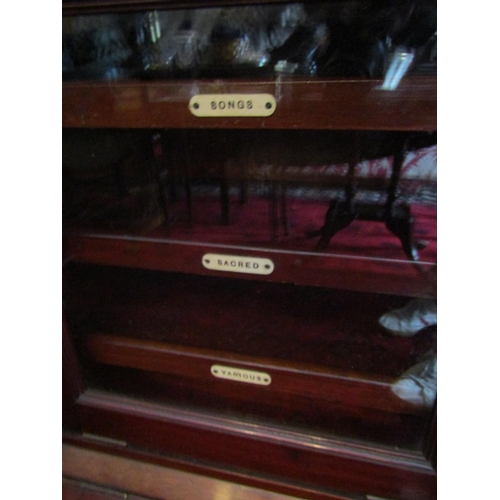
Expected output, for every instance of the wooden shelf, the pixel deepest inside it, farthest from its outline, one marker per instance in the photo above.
(288, 378)
(301, 104)
(325, 401)
(248, 318)
(158, 336)
(148, 327)
(236, 445)
(96, 475)
(397, 276)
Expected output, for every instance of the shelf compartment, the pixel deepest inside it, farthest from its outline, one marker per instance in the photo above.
(262, 194)
(301, 103)
(332, 416)
(329, 328)
(299, 396)
(302, 457)
(344, 271)
(287, 378)
(157, 336)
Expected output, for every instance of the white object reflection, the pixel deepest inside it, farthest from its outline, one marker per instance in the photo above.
(401, 60)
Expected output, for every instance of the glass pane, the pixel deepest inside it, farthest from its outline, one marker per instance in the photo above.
(346, 219)
(334, 367)
(276, 269)
(360, 205)
(358, 39)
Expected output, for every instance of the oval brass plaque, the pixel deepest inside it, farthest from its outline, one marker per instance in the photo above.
(240, 105)
(240, 375)
(237, 264)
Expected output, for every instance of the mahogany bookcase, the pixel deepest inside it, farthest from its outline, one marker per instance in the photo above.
(280, 379)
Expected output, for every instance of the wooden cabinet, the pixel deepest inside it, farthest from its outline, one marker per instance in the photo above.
(226, 277)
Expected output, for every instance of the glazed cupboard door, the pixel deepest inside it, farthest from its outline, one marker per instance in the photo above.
(249, 212)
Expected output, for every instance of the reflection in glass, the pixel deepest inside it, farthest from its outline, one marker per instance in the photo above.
(348, 218)
(337, 39)
(367, 194)
(418, 384)
(400, 61)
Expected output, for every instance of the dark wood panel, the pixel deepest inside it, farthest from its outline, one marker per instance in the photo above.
(305, 104)
(322, 401)
(430, 449)
(288, 379)
(79, 490)
(333, 330)
(378, 275)
(179, 486)
(324, 417)
(72, 379)
(331, 367)
(147, 457)
(71, 491)
(297, 457)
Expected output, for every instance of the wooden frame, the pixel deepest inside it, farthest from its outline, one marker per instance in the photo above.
(305, 104)
(264, 455)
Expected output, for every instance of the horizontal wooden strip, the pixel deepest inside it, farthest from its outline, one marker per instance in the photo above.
(302, 458)
(375, 275)
(73, 489)
(152, 481)
(287, 378)
(304, 104)
(260, 482)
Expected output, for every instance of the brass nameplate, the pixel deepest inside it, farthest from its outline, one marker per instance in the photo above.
(240, 375)
(237, 264)
(240, 105)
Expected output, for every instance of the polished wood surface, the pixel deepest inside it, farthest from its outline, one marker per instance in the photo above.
(175, 463)
(305, 104)
(73, 384)
(137, 395)
(300, 457)
(80, 490)
(92, 475)
(156, 336)
(397, 276)
(331, 330)
(288, 378)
